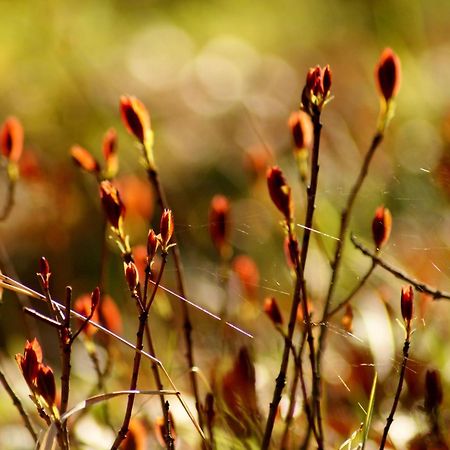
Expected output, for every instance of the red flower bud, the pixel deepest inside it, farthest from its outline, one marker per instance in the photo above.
(326, 80)
(317, 89)
(135, 117)
(280, 192)
(112, 204)
(407, 305)
(84, 159)
(11, 139)
(132, 276)
(110, 152)
(388, 74)
(218, 221)
(381, 226)
(30, 360)
(433, 390)
(166, 227)
(44, 271)
(273, 311)
(152, 246)
(45, 384)
(301, 129)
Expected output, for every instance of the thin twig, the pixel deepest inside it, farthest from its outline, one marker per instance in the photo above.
(17, 403)
(66, 352)
(7, 208)
(435, 294)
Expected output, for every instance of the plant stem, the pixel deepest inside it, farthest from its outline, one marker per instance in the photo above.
(299, 294)
(436, 294)
(390, 418)
(136, 366)
(65, 354)
(7, 208)
(17, 403)
(187, 325)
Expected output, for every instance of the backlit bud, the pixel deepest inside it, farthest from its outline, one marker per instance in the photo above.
(317, 89)
(388, 74)
(166, 227)
(381, 226)
(132, 276)
(83, 305)
(218, 221)
(112, 204)
(326, 80)
(301, 129)
(280, 192)
(11, 139)
(152, 246)
(45, 384)
(30, 360)
(407, 304)
(44, 272)
(135, 117)
(84, 159)
(433, 390)
(273, 311)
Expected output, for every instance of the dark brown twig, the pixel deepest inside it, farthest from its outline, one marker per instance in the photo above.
(436, 294)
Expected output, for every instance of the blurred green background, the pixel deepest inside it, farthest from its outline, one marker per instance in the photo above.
(220, 79)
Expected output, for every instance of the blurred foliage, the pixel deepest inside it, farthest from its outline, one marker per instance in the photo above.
(220, 79)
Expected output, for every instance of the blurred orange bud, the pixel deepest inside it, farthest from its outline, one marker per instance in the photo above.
(132, 276)
(407, 305)
(388, 74)
(273, 311)
(135, 117)
(302, 129)
(11, 139)
(433, 390)
(248, 274)
(45, 384)
(30, 360)
(112, 204)
(280, 192)
(109, 315)
(381, 226)
(347, 319)
(300, 317)
(166, 228)
(136, 437)
(256, 161)
(218, 221)
(83, 306)
(84, 159)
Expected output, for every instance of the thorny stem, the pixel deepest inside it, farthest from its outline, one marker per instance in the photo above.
(17, 403)
(187, 325)
(345, 221)
(299, 294)
(436, 294)
(390, 418)
(136, 365)
(356, 289)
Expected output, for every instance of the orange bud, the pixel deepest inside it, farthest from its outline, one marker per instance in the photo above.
(273, 311)
(135, 117)
(44, 271)
(152, 246)
(132, 276)
(11, 139)
(381, 226)
(248, 274)
(45, 384)
(317, 89)
(112, 203)
(433, 390)
(280, 192)
(407, 304)
(83, 305)
(347, 319)
(84, 159)
(218, 221)
(30, 360)
(388, 74)
(301, 129)
(166, 227)
(109, 315)
(326, 80)
(136, 437)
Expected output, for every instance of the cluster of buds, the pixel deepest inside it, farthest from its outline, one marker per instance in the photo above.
(381, 226)
(317, 90)
(280, 193)
(136, 119)
(218, 223)
(407, 307)
(87, 162)
(38, 376)
(11, 144)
